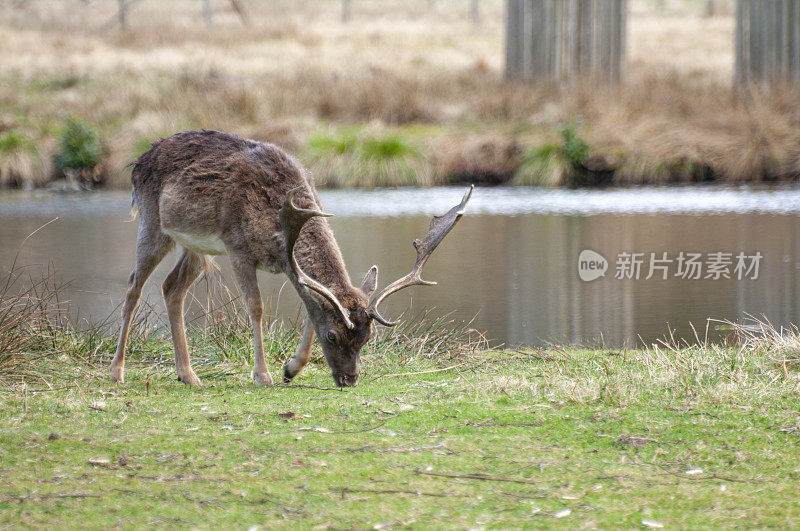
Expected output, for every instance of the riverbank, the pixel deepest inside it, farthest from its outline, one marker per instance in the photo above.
(408, 95)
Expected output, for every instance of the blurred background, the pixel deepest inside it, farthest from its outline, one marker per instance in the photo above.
(621, 126)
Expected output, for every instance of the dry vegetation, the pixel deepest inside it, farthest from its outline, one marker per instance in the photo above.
(404, 93)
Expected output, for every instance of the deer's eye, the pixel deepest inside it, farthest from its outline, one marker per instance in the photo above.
(331, 336)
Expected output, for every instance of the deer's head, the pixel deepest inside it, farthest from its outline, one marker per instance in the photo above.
(344, 323)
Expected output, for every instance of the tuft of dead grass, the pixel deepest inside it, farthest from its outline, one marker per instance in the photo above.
(481, 159)
(21, 164)
(39, 345)
(780, 346)
(759, 362)
(25, 313)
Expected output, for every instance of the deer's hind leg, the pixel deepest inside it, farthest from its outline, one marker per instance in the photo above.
(174, 290)
(151, 247)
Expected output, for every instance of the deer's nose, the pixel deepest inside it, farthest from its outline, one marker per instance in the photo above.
(346, 380)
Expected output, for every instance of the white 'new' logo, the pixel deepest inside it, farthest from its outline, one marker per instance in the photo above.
(591, 265)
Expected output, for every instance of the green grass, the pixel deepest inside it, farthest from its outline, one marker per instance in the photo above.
(354, 156)
(495, 439)
(555, 163)
(542, 165)
(11, 141)
(340, 143)
(441, 431)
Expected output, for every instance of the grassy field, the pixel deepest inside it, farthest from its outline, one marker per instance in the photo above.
(405, 93)
(440, 432)
(552, 438)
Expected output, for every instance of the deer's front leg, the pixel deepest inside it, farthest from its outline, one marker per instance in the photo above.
(300, 358)
(248, 283)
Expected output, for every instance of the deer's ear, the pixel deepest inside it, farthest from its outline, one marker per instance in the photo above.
(370, 281)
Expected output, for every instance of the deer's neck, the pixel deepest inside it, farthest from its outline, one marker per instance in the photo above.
(319, 256)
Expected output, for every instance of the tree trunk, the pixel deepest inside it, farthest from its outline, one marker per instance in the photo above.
(122, 14)
(345, 11)
(208, 13)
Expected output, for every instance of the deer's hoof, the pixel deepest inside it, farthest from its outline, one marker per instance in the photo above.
(117, 374)
(190, 379)
(263, 378)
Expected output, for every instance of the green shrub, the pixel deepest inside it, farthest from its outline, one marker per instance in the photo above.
(575, 148)
(79, 146)
(555, 163)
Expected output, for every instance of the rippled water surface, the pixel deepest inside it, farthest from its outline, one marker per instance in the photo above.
(512, 260)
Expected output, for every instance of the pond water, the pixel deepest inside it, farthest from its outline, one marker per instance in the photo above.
(513, 260)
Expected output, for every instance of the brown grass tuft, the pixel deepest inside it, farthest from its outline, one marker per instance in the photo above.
(780, 345)
(480, 159)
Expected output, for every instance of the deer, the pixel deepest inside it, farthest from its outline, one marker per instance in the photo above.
(215, 193)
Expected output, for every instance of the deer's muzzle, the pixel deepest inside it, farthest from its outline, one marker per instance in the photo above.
(345, 380)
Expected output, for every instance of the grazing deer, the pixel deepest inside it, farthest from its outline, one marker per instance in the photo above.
(213, 193)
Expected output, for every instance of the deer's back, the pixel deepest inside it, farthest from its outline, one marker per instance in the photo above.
(211, 184)
(209, 176)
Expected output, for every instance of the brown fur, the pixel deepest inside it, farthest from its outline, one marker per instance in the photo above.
(212, 184)
(221, 182)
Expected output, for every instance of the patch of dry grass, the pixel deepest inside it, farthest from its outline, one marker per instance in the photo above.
(21, 164)
(779, 346)
(481, 158)
(759, 364)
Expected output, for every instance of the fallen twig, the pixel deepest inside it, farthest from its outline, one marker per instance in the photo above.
(360, 431)
(476, 476)
(398, 449)
(41, 497)
(418, 372)
(490, 424)
(347, 490)
(303, 386)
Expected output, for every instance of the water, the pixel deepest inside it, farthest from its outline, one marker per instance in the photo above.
(512, 260)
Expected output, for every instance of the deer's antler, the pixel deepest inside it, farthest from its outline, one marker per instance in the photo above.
(292, 220)
(440, 226)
